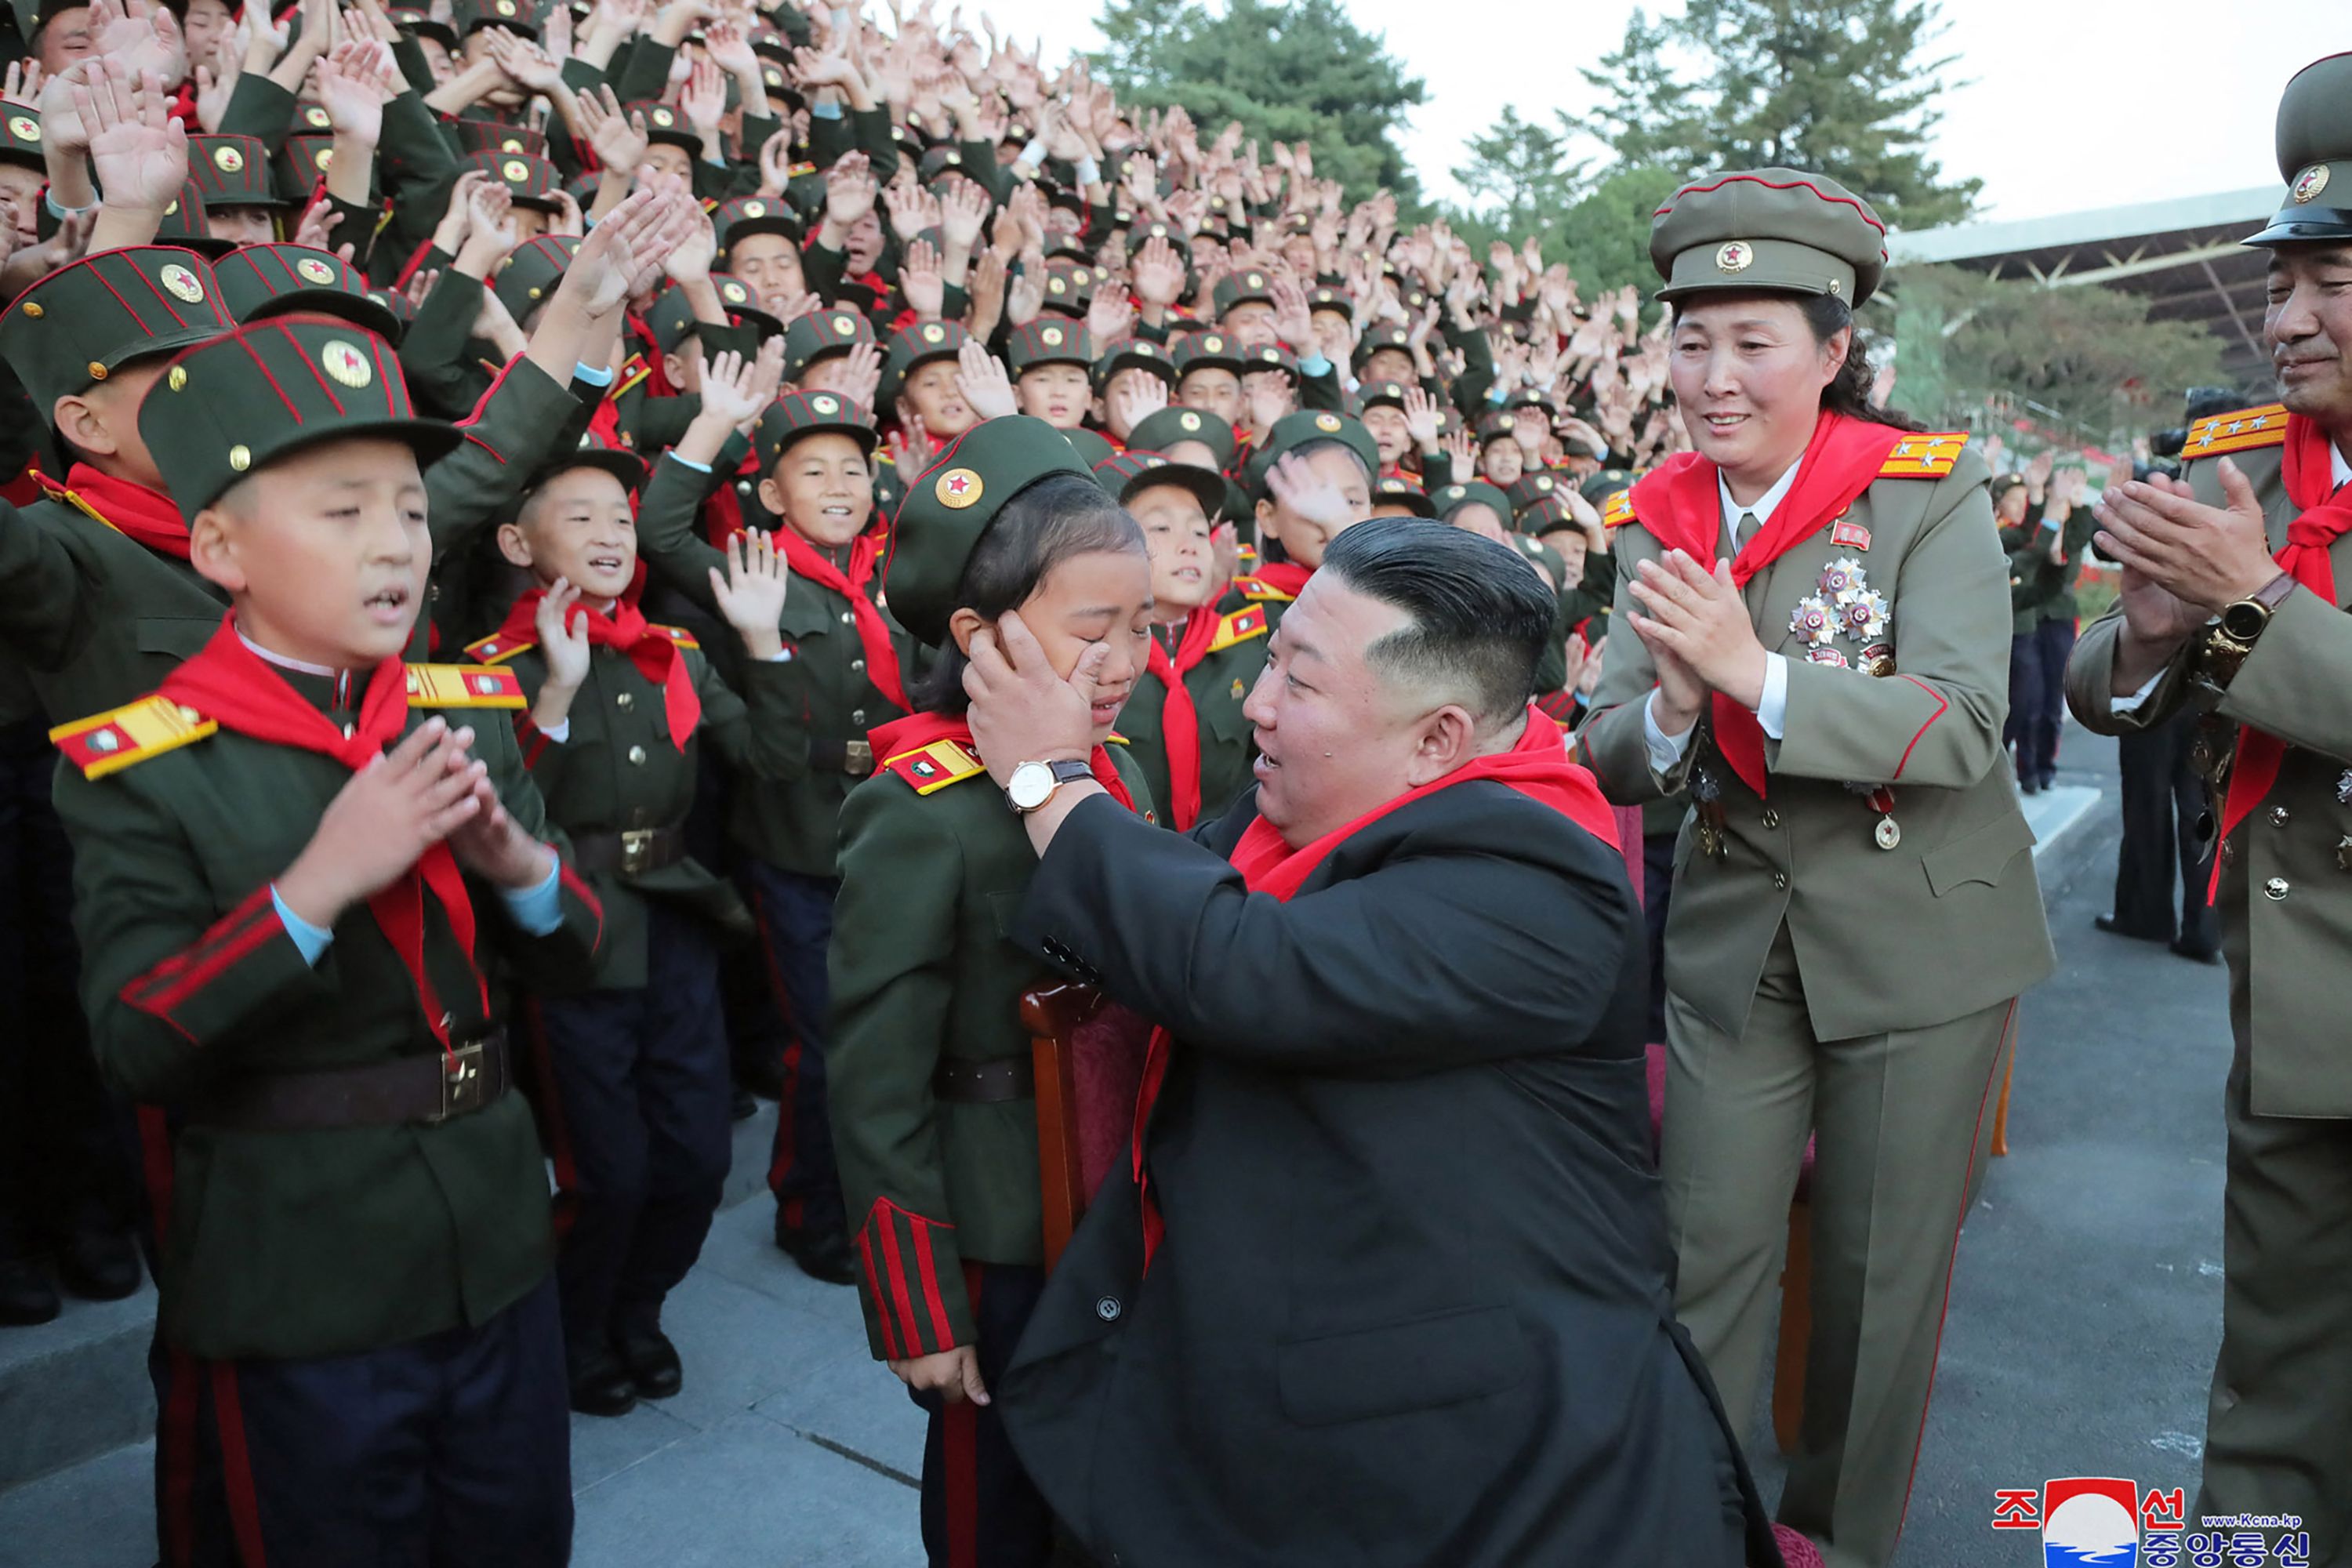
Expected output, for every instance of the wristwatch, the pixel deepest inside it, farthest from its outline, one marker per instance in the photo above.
(1034, 783)
(2233, 633)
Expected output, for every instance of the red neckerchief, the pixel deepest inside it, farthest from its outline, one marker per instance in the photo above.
(657, 657)
(1180, 726)
(1289, 576)
(1681, 503)
(230, 683)
(2324, 516)
(873, 632)
(723, 509)
(1537, 766)
(916, 730)
(125, 506)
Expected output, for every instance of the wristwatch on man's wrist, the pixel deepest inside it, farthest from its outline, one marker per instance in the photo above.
(2234, 632)
(1034, 783)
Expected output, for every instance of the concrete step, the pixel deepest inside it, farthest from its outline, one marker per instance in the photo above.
(78, 1387)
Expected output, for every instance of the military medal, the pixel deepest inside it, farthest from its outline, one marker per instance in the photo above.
(1887, 833)
(1707, 801)
(1814, 620)
(2344, 789)
(1879, 660)
(1862, 616)
(1842, 579)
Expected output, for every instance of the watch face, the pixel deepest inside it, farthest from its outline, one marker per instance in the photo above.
(2244, 621)
(1032, 786)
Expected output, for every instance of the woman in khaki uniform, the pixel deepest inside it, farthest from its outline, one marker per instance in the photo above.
(1814, 620)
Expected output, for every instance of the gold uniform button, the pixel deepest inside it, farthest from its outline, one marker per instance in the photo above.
(857, 666)
(623, 699)
(857, 717)
(2276, 889)
(637, 756)
(1780, 881)
(1771, 818)
(2278, 816)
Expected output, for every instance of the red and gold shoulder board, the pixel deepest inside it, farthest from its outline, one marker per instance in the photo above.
(936, 765)
(497, 648)
(1247, 554)
(1618, 509)
(458, 686)
(633, 370)
(797, 170)
(1926, 456)
(678, 635)
(2239, 431)
(147, 728)
(1260, 589)
(1239, 628)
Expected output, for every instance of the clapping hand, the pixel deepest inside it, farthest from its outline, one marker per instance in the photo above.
(980, 377)
(751, 595)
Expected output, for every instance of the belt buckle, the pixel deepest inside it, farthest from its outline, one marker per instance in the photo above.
(858, 760)
(463, 1084)
(636, 850)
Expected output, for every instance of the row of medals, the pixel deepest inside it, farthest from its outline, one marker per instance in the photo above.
(1843, 605)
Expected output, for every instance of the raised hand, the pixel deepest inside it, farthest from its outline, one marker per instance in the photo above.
(1138, 399)
(22, 83)
(1158, 274)
(960, 214)
(752, 593)
(1421, 419)
(849, 191)
(688, 261)
(921, 282)
(703, 101)
(563, 630)
(980, 377)
(911, 451)
(355, 80)
(617, 250)
(731, 389)
(138, 152)
(1109, 316)
(860, 375)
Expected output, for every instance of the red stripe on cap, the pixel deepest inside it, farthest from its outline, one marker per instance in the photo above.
(132, 311)
(1776, 185)
(244, 341)
(296, 344)
(395, 385)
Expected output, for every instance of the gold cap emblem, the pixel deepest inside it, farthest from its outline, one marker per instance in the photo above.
(957, 488)
(515, 172)
(755, 208)
(23, 128)
(1733, 255)
(824, 404)
(2309, 183)
(228, 160)
(313, 270)
(315, 115)
(181, 283)
(1051, 337)
(1189, 420)
(1327, 423)
(324, 158)
(1213, 344)
(345, 362)
(845, 325)
(934, 333)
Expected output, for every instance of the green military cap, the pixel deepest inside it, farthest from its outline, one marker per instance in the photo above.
(1306, 428)
(303, 162)
(397, 303)
(1375, 339)
(670, 319)
(1158, 432)
(1133, 354)
(748, 215)
(1395, 490)
(1336, 300)
(914, 346)
(533, 182)
(1092, 445)
(1208, 351)
(1375, 394)
(1534, 486)
(417, 20)
(1242, 287)
(229, 407)
(666, 122)
(1493, 428)
(950, 506)
(778, 83)
(2313, 141)
(1528, 397)
(515, 16)
(1451, 499)
(312, 119)
(84, 322)
(742, 303)
(1600, 485)
(937, 160)
(1066, 248)
(1048, 340)
(479, 135)
(1126, 475)
(770, 44)
(593, 452)
(1272, 357)
(1069, 288)
(22, 143)
(820, 335)
(528, 273)
(1768, 228)
(184, 224)
(1550, 515)
(233, 172)
(258, 281)
(797, 415)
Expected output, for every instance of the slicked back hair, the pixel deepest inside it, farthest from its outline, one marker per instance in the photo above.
(1480, 613)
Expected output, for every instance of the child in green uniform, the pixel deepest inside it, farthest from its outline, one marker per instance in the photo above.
(934, 1107)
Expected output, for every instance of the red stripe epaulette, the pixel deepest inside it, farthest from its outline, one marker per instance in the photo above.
(147, 728)
(678, 635)
(1618, 509)
(633, 370)
(1239, 628)
(456, 686)
(1259, 588)
(2238, 431)
(1928, 455)
(936, 766)
(497, 648)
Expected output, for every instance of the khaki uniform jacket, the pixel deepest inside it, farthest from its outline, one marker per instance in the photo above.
(1947, 921)
(2285, 896)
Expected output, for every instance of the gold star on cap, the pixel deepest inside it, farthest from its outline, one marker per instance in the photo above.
(345, 362)
(228, 160)
(2310, 182)
(755, 209)
(1733, 255)
(1051, 336)
(933, 332)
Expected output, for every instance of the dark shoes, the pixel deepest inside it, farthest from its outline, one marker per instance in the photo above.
(2029, 787)
(602, 1385)
(743, 1107)
(98, 1265)
(652, 1361)
(27, 1296)
(2113, 927)
(821, 1254)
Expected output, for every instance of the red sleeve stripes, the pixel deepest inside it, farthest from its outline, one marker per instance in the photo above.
(1943, 705)
(162, 990)
(903, 1267)
(579, 888)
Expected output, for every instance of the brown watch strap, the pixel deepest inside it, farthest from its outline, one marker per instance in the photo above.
(2272, 594)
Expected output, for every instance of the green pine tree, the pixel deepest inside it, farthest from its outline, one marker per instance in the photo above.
(1520, 175)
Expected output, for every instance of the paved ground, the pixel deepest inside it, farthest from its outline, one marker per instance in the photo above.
(2083, 1318)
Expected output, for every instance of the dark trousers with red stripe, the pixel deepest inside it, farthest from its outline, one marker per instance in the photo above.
(795, 918)
(450, 1451)
(635, 1108)
(980, 1508)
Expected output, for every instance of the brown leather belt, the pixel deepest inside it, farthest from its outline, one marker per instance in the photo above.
(381, 1094)
(986, 1083)
(632, 854)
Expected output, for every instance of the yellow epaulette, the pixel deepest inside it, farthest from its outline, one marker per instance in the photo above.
(1259, 589)
(1245, 553)
(455, 685)
(1115, 739)
(496, 649)
(1239, 628)
(678, 635)
(2238, 431)
(147, 728)
(797, 170)
(632, 370)
(1926, 456)
(936, 766)
(1618, 509)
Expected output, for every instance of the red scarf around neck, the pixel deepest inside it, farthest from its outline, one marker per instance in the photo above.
(1289, 576)
(1179, 725)
(900, 736)
(125, 506)
(1681, 504)
(1537, 766)
(231, 684)
(873, 632)
(657, 657)
(2324, 516)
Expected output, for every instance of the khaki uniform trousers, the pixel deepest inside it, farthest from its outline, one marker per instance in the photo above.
(1903, 1124)
(2278, 1429)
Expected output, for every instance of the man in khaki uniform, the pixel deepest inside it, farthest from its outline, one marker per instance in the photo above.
(1854, 910)
(2210, 617)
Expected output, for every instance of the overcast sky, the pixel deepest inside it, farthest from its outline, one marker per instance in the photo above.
(2067, 104)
